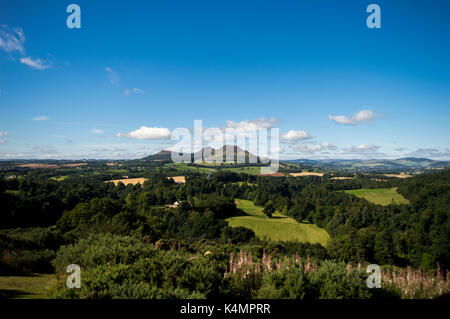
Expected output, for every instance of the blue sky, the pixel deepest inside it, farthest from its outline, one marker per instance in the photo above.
(334, 87)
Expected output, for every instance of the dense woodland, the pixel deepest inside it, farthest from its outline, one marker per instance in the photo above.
(130, 244)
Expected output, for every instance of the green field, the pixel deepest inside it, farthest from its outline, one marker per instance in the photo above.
(252, 170)
(213, 167)
(13, 192)
(60, 178)
(26, 287)
(185, 167)
(278, 228)
(380, 196)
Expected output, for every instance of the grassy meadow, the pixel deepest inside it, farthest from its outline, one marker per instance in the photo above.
(380, 196)
(277, 228)
(32, 286)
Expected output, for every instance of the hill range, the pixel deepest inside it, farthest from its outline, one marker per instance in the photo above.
(404, 164)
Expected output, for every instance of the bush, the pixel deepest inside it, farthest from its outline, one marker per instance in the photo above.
(26, 261)
(102, 249)
(335, 281)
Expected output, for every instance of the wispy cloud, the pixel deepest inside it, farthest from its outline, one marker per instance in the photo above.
(37, 64)
(430, 152)
(328, 146)
(363, 150)
(2, 141)
(366, 116)
(305, 148)
(12, 40)
(127, 92)
(112, 75)
(147, 133)
(40, 118)
(3, 133)
(96, 131)
(43, 149)
(312, 149)
(107, 149)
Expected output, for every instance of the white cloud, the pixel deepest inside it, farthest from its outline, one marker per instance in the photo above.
(327, 146)
(35, 64)
(2, 141)
(101, 149)
(147, 133)
(112, 75)
(12, 40)
(3, 133)
(293, 136)
(366, 116)
(40, 118)
(252, 125)
(430, 152)
(305, 148)
(312, 149)
(96, 131)
(95, 151)
(362, 149)
(133, 90)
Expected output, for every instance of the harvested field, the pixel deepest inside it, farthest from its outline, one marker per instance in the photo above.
(178, 179)
(342, 178)
(401, 175)
(74, 164)
(37, 165)
(273, 174)
(41, 165)
(306, 174)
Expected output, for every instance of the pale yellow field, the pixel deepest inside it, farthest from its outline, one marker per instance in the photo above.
(40, 165)
(37, 165)
(306, 174)
(127, 181)
(342, 178)
(401, 175)
(112, 164)
(74, 164)
(178, 179)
